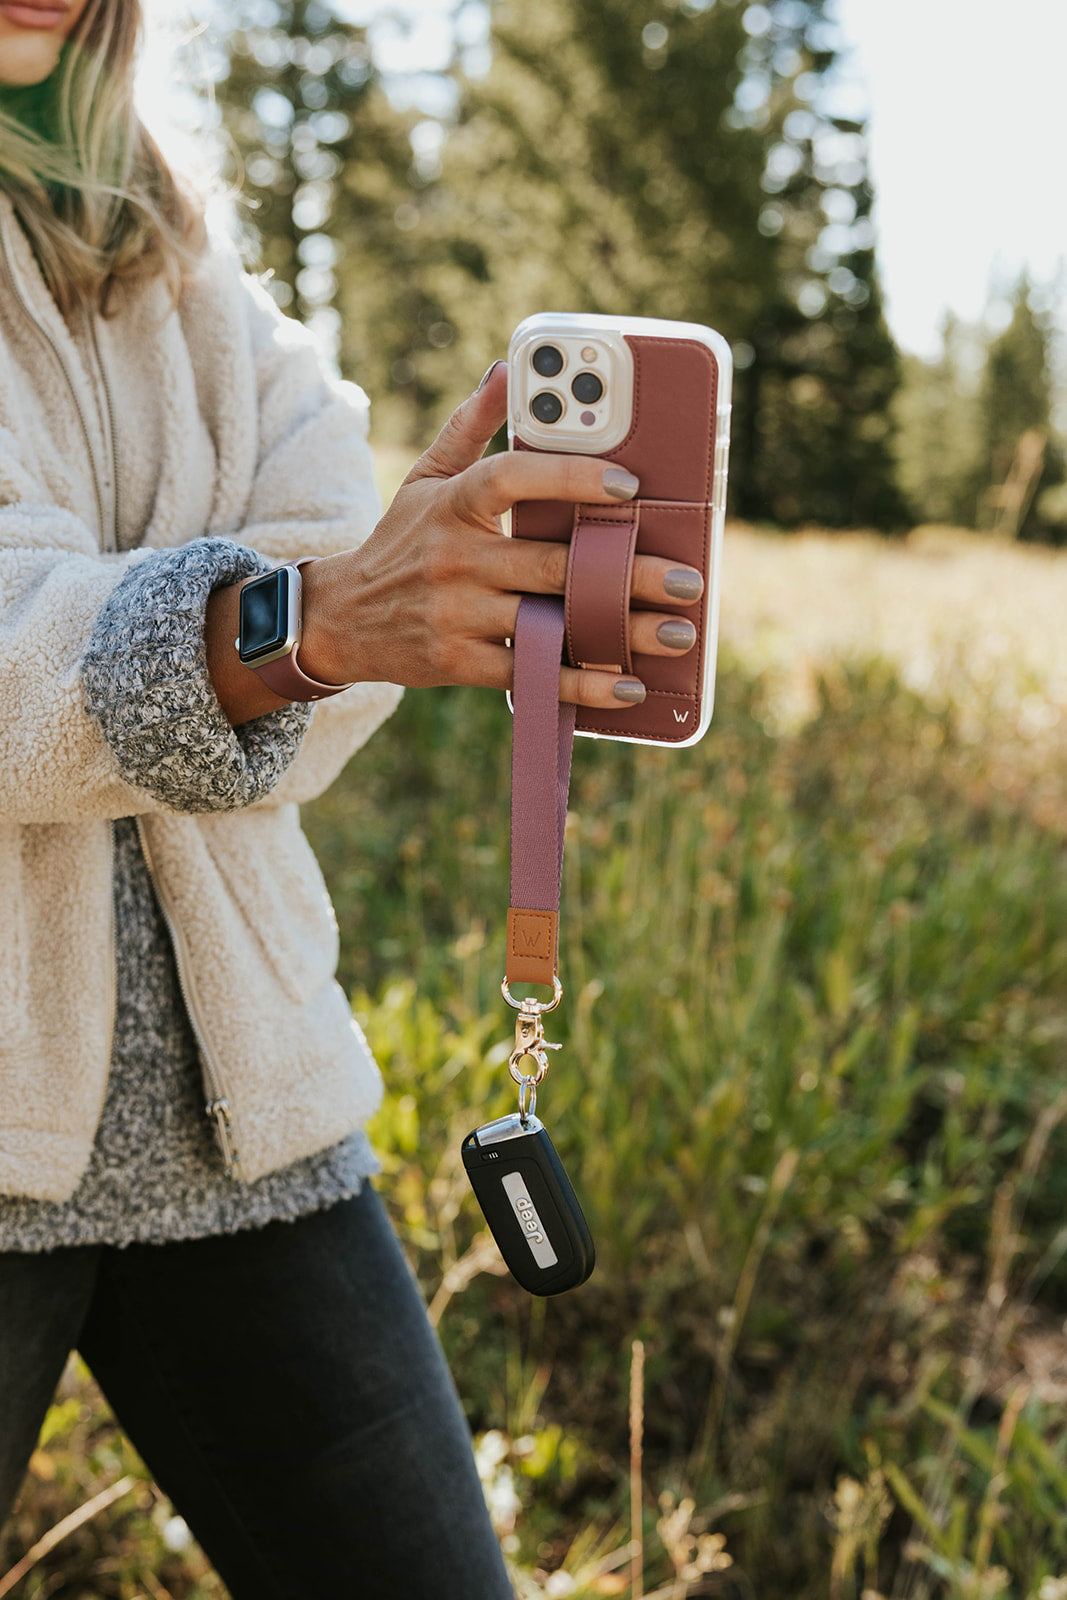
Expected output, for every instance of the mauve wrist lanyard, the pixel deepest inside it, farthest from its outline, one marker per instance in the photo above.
(512, 1164)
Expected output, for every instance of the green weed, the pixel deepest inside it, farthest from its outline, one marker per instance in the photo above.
(811, 1095)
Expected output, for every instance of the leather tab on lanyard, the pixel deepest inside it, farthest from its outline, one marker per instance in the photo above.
(542, 739)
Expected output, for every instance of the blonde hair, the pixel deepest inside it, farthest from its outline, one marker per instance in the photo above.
(102, 208)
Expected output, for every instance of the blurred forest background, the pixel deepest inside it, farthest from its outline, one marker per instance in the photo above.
(676, 158)
(812, 1094)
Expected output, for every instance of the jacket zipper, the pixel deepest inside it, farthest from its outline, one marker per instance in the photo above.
(109, 412)
(57, 353)
(218, 1106)
(113, 934)
(44, 334)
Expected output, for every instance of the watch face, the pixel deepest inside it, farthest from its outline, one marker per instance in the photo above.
(264, 615)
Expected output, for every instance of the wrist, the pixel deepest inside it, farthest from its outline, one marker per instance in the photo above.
(241, 693)
(323, 655)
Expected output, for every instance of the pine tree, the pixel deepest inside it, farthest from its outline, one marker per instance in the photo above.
(938, 428)
(1018, 450)
(550, 199)
(326, 162)
(816, 427)
(673, 161)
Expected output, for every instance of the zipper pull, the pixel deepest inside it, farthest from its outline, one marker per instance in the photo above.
(219, 1110)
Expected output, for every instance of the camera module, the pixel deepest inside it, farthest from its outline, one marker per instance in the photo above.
(587, 388)
(547, 361)
(547, 407)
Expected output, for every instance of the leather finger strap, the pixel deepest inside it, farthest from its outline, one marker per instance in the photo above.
(542, 738)
(597, 594)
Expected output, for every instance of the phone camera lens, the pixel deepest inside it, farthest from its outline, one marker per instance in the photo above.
(547, 407)
(587, 388)
(547, 361)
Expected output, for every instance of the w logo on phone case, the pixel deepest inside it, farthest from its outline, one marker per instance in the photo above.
(681, 716)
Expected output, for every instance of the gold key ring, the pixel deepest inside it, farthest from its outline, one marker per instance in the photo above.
(527, 1099)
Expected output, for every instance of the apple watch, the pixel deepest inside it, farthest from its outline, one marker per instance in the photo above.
(270, 631)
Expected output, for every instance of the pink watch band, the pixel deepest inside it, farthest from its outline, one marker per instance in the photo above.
(285, 678)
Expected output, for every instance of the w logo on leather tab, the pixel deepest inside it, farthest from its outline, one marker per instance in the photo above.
(531, 938)
(532, 941)
(681, 716)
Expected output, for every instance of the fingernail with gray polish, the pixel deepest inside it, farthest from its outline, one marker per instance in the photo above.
(677, 634)
(683, 585)
(630, 690)
(620, 483)
(490, 369)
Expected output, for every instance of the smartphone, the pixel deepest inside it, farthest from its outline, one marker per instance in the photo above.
(652, 396)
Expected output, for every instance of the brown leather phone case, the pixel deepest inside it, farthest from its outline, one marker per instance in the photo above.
(671, 448)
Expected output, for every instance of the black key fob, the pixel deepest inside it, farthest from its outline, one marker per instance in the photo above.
(529, 1204)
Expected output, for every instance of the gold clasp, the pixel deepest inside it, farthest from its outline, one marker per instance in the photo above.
(530, 1041)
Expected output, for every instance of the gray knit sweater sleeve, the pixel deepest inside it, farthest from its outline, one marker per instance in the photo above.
(146, 685)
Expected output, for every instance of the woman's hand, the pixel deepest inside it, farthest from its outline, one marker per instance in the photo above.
(434, 592)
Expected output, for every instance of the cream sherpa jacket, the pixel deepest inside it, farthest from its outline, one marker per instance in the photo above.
(258, 444)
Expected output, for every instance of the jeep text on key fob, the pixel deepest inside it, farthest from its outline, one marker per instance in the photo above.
(529, 1204)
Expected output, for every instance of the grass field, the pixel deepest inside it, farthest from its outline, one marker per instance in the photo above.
(963, 621)
(812, 1095)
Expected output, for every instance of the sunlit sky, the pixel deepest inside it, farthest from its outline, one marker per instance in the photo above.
(968, 128)
(967, 114)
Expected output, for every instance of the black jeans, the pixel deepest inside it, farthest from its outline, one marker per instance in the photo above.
(287, 1392)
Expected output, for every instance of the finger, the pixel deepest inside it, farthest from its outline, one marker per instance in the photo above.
(654, 578)
(491, 666)
(605, 691)
(490, 487)
(468, 430)
(539, 566)
(651, 632)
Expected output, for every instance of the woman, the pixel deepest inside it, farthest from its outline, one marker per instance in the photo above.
(183, 1191)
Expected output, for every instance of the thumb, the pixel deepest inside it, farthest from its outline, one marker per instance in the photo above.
(468, 430)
